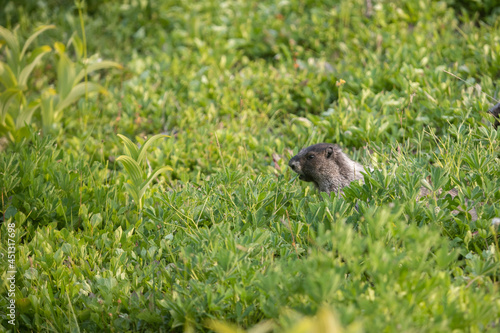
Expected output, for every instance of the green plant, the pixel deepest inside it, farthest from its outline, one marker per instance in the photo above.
(47, 185)
(138, 179)
(69, 86)
(17, 101)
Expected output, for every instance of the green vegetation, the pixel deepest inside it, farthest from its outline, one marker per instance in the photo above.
(208, 229)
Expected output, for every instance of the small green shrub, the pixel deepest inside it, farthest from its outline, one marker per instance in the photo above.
(19, 101)
(48, 186)
(69, 86)
(138, 180)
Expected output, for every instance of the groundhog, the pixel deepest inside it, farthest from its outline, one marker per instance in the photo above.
(330, 170)
(326, 166)
(495, 111)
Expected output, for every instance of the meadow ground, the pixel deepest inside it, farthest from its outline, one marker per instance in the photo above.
(227, 236)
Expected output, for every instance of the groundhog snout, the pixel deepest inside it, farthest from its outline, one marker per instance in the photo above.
(294, 164)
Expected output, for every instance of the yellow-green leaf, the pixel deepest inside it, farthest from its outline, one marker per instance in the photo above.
(77, 45)
(47, 105)
(133, 169)
(35, 58)
(94, 67)
(25, 115)
(150, 179)
(78, 91)
(65, 72)
(6, 98)
(11, 40)
(7, 76)
(34, 35)
(149, 142)
(133, 192)
(131, 147)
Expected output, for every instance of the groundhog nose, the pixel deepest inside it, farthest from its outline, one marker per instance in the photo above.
(292, 164)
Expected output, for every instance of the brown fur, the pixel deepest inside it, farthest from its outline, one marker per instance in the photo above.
(495, 111)
(326, 166)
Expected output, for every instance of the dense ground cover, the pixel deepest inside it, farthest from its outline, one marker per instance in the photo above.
(230, 234)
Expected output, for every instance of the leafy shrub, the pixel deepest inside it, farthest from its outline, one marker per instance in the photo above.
(18, 101)
(482, 9)
(138, 180)
(48, 186)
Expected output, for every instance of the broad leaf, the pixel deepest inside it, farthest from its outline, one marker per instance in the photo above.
(133, 192)
(47, 111)
(133, 169)
(34, 35)
(11, 40)
(34, 59)
(78, 91)
(77, 45)
(65, 72)
(7, 76)
(6, 98)
(94, 67)
(7, 128)
(149, 142)
(25, 115)
(150, 179)
(131, 147)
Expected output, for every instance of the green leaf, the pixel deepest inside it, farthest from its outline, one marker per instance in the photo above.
(77, 43)
(131, 147)
(150, 179)
(7, 76)
(6, 98)
(10, 212)
(133, 192)
(96, 220)
(65, 72)
(35, 58)
(94, 67)
(133, 169)
(149, 142)
(26, 113)
(34, 35)
(78, 91)
(47, 105)
(118, 234)
(7, 128)
(11, 40)
(427, 185)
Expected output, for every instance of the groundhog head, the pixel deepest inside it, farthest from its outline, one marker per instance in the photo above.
(326, 166)
(316, 162)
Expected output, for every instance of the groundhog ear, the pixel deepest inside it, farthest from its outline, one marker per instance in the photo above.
(329, 152)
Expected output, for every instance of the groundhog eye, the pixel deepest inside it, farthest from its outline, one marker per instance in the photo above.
(310, 157)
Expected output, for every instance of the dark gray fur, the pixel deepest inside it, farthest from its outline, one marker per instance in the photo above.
(326, 166)
(495, 111)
